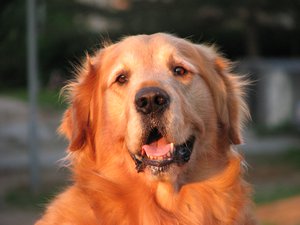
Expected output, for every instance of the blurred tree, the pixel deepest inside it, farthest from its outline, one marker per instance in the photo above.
(62, 38)
(70, 27)
(243, 28)
(12, 43)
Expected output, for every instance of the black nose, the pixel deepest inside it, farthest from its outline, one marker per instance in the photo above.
(151, 100)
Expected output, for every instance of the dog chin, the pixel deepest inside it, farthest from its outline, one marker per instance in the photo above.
(166, 174)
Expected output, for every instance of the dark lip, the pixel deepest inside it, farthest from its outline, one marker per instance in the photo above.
(181, 155)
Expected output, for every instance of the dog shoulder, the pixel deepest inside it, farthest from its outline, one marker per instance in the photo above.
(66, 207)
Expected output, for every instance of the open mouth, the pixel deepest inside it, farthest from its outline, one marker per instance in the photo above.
(158, 154)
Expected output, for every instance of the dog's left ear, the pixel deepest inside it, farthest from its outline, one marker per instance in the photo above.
(227, 90)
(236, 110)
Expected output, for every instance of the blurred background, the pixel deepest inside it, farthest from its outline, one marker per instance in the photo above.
(261, 36)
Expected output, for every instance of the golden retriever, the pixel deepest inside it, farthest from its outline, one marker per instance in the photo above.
(151, 124)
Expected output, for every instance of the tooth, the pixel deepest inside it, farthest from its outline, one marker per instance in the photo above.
(151, 157)
(172, 148)
(160, 158)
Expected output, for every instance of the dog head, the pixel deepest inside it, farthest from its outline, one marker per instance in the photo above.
(159, 99)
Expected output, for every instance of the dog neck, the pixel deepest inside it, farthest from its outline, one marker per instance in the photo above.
(220, 180)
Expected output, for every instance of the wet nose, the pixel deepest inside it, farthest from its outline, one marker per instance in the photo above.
(151, 100)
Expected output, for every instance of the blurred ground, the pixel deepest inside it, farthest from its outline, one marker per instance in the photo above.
(275, 174)
(14, 160)
(285, 212)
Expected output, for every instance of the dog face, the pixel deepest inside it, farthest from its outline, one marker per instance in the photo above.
(163, 101)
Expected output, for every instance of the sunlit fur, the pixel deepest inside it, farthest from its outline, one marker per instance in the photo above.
(103, 127)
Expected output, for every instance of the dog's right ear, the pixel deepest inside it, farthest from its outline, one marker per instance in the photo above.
(76, 123)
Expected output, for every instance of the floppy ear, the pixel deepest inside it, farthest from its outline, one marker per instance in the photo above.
(227, 90)
(76, 124)
(235, 106)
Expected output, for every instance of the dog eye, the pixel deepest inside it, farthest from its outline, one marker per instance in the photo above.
(179, 71)
(122, 79)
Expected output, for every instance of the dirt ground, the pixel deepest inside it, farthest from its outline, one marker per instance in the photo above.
(283, 212)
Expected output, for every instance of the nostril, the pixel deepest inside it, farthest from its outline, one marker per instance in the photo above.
(160, 100)
(142, 102)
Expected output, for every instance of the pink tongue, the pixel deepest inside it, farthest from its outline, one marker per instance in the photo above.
(157, 148)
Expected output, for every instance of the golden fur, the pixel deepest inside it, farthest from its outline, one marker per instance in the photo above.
(103, 127)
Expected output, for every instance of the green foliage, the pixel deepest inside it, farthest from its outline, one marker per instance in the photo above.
(280, 192)
(61, 39)
(12, 43)
(286, 128)
(22, 197)
(292, 157)
(288, 158)
(241, 27)
(49, 99)
(64, 38)
(271, 169)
